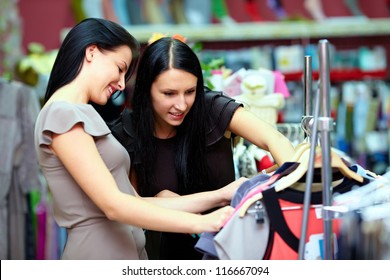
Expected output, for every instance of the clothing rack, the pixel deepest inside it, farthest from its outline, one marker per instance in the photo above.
(307, 87)
(318, 124)
(293, 131)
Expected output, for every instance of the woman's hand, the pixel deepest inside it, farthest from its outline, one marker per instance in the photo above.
(197, 202)
(214, 221)
(227, 192)
(166, 193)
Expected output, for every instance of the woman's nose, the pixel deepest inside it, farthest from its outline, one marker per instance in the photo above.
(121, 83)
(181, 103)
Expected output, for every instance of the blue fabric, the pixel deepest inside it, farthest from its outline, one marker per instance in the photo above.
(205, 243)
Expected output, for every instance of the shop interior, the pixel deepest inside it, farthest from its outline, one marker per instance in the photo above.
(283, 59)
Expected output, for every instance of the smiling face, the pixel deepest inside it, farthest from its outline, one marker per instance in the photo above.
(108, 70)
(172, 95)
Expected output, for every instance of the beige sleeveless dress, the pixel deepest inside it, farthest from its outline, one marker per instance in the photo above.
(90, 235)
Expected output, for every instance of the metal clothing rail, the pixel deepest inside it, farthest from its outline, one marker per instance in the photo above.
(318, 124)
(293, 131)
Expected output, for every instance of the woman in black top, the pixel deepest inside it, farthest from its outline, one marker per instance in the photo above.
(179, 134)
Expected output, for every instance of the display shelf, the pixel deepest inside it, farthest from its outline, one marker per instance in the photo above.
(332, 27)
(352, 31)
(341, 75)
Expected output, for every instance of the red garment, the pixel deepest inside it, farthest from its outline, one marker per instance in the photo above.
(285, 227)
(264, 163)
(280, 249)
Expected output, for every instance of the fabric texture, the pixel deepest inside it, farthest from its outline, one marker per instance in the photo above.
(19, 173)
(276, 234)
(206, 243)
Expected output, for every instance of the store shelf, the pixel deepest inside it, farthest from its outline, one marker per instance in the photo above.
(341, 75)
(344, 28)
(333, 27)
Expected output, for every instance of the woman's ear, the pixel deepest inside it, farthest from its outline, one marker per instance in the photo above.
(90, 51)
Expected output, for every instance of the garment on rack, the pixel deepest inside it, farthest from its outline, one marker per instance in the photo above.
(19, 172)
(365, 221)
(293, 131)
(250, 159)
(257, 187)
(205, 244)
(270, 228)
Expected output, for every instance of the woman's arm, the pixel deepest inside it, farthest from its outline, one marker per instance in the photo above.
(83, 162)
(194, 203)
(197, 202)
(260, 133)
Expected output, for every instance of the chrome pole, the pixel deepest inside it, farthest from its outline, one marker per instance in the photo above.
(325, 126)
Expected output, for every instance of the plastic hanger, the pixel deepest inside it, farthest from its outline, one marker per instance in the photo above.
(336, 162)
(300, 171)
(375, 192)
(282, 182)
(299, 149)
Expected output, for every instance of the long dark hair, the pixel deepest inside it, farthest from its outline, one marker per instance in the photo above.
(164, 54)
(105, 34)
